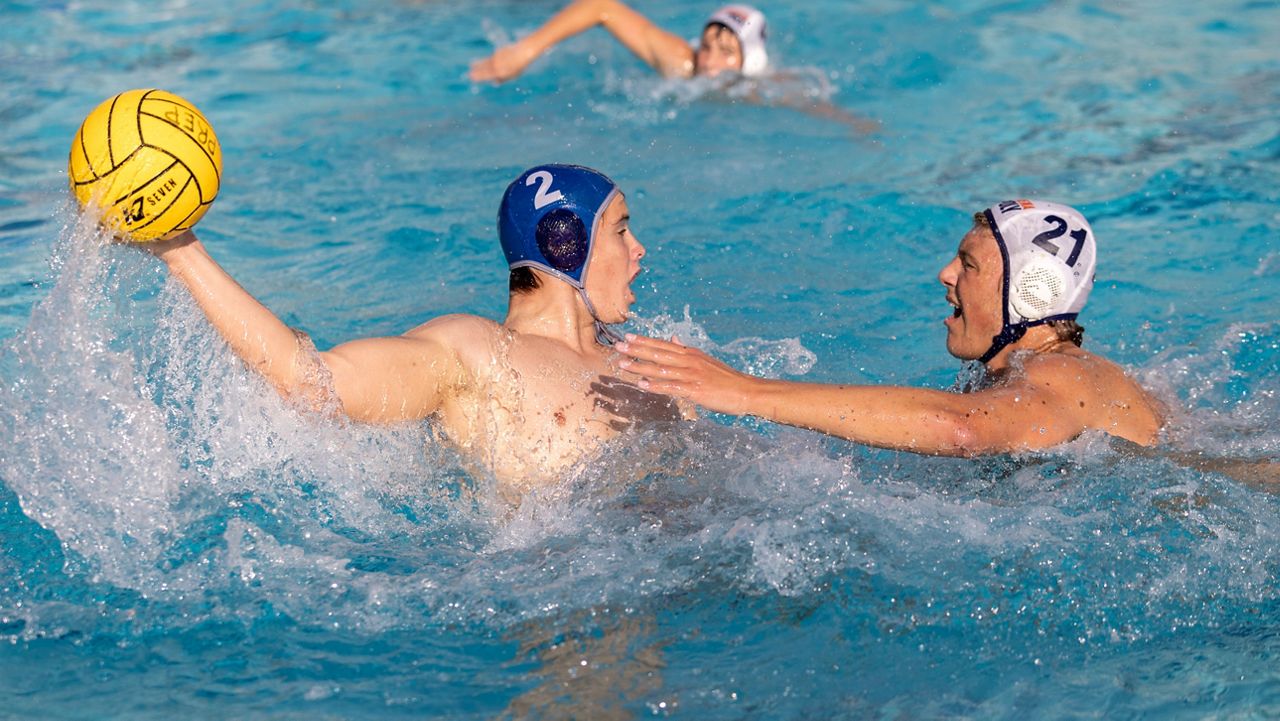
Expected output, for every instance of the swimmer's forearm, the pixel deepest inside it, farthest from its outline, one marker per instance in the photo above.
(577, 17)
(656, 47)
(254, 333)
(915, 419)
(910, 419)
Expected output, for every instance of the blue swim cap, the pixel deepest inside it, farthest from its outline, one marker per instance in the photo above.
(548, 219)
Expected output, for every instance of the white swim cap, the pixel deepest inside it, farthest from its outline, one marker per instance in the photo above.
(748, 24)
(1049, 259)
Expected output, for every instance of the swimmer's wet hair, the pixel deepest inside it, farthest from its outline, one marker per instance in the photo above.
(1067, 330)
(523, 280)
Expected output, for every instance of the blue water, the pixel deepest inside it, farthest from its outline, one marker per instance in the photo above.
(176, 542)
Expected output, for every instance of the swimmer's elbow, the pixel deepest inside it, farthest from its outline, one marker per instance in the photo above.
(960, 435)
(965, 442)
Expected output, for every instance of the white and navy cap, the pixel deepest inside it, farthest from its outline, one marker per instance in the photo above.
(1049, 255)
(748, 24)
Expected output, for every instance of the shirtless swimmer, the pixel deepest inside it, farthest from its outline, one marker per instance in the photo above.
(515, 396)
(733, 39)
(1045, 388)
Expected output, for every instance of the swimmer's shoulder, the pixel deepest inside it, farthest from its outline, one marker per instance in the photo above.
(456, 324)
(1074, 371)
(1101, 391)
(466, 335)
(1071, 363)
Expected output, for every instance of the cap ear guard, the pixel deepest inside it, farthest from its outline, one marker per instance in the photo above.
(1037, 289)
(562, 238)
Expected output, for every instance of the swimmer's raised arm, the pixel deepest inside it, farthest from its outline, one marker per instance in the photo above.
(1026, 415)
(403, 378)
(376, 379)
(666, 52)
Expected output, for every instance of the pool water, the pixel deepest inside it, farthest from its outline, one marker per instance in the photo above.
(177, 542)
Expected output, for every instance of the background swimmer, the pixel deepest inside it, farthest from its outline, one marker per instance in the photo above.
(733, 39)
(1019, 278)
(516, 396)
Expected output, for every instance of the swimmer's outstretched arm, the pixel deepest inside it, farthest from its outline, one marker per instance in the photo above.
(665, 52)
(380, 380)
(1019, 417)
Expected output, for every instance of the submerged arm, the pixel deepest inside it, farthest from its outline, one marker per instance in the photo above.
(791, 90)
(665, 52)
(1021, 416)
(376, 379)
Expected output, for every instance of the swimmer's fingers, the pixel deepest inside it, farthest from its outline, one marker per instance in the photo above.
(665, 388)
(504, 64)
(658, 351)
(662, 360)
(684, 372)
(482, 71)
(651, 371)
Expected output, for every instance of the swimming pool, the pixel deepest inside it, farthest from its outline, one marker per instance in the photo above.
(176, 542)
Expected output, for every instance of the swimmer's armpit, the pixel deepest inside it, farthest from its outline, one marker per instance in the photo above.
(315, 390)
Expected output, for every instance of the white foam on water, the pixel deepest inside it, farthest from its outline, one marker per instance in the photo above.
(134, 435)
(72, 411)
(649, 99)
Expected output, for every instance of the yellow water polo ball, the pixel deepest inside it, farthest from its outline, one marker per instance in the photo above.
(148, 161)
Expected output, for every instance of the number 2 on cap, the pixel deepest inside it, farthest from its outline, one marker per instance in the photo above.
(542, 197)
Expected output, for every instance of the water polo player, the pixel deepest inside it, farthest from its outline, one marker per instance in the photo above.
(1016, 284)
(515, 396)
(733, 39)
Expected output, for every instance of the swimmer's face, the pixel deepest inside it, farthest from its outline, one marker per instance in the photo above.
(718, 51)
(614, 263)
(973, 279)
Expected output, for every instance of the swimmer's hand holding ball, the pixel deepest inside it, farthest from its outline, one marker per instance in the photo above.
(148, 161)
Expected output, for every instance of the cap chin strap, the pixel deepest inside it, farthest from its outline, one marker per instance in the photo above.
(605, 335)
(1008, 335)
(1013, 332)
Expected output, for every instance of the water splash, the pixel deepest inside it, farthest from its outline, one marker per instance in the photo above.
(757, 356)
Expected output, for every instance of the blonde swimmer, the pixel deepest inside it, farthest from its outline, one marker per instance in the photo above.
(1017, 282)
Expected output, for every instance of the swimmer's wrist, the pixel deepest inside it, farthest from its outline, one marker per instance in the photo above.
(527, 49)
(175, 251)
(755, 396)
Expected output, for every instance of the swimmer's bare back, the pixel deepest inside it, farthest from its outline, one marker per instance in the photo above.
(1082, 391)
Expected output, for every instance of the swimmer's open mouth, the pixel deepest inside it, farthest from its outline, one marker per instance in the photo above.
(957, 312)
